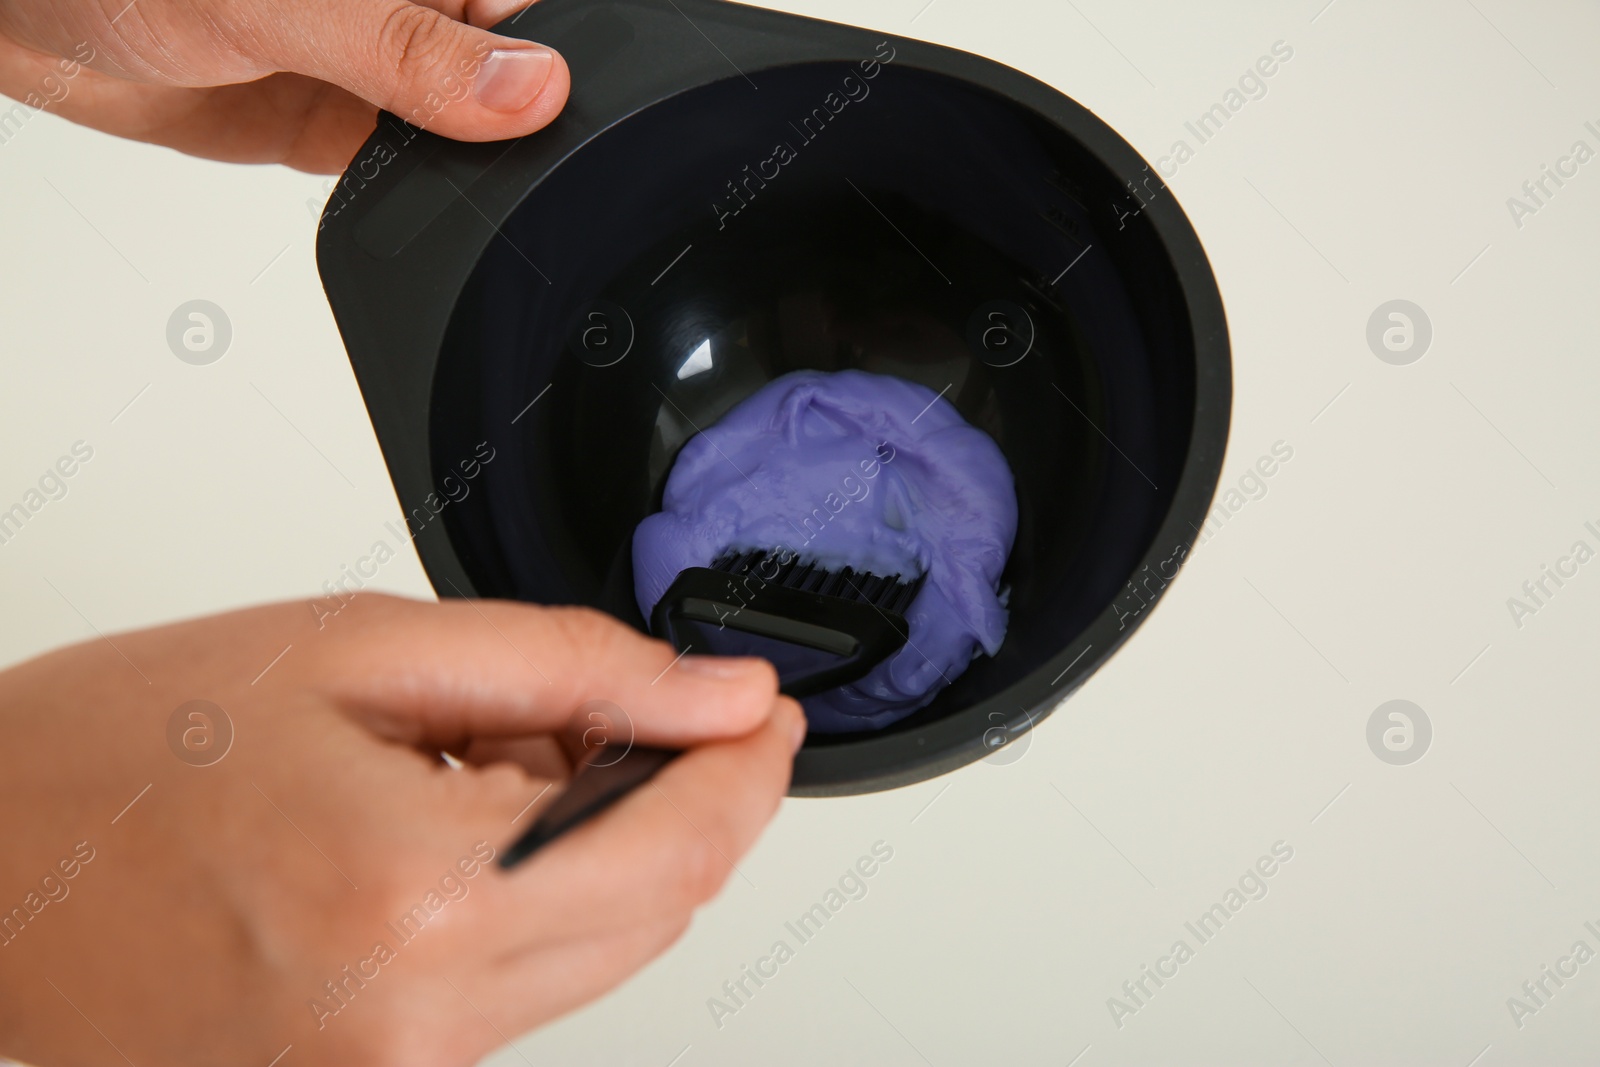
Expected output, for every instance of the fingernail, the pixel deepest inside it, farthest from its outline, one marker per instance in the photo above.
(511, 77)
(721, 668)
(800, 729)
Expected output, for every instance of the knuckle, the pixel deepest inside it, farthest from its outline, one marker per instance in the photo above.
(418, 38)
(586, 631)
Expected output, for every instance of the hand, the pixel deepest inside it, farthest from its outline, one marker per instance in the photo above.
(277, 81)
(328, 883)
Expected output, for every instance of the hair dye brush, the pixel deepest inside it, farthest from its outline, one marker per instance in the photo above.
(821, 628)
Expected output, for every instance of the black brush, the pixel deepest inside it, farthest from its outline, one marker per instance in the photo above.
(599, 782)
(821, 628)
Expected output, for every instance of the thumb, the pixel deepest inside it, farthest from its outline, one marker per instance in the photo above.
(445, 76)
(444, 673)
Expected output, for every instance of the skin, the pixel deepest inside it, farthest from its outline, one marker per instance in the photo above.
(217, 905)
(297, 82)
(166, 912)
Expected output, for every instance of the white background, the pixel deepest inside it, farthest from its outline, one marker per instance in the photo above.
(1020, 897)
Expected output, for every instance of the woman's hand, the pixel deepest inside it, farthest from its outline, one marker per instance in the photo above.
(328, 882)
(277, 81)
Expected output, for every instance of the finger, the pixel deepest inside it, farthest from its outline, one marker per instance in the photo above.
(483, 13)
(284, 118)
(457, 80)
(487, 13)
(542, 756)
(438, 674)
(665, 848)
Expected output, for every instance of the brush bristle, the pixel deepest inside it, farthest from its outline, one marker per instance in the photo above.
(891, 593)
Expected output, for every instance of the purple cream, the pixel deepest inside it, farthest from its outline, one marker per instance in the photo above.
(860, 470)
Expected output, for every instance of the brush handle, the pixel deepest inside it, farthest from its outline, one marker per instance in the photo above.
(592, 790)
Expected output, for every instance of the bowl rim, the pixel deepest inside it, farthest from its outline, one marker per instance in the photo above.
(399, 239)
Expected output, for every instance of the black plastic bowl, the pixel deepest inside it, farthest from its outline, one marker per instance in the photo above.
(704, 218)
